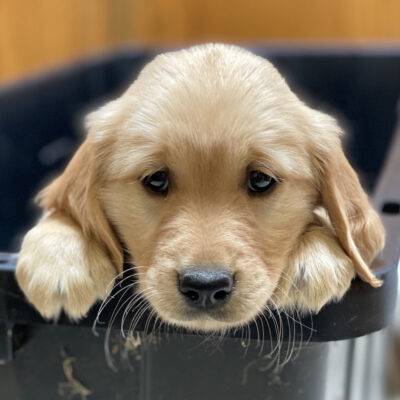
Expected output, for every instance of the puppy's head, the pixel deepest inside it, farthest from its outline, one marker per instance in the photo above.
(209, 170)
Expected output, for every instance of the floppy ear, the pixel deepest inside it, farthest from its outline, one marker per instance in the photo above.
(356, 224)
(74, 193)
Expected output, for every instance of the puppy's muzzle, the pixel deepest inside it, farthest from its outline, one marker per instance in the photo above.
(206, 288)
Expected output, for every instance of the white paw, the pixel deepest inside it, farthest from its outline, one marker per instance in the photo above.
(59, 269)
(319, 271)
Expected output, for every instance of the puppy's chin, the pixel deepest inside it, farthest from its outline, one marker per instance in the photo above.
(205, 325)
(219, 320)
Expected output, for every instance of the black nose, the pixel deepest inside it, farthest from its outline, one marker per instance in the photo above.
(205, 288)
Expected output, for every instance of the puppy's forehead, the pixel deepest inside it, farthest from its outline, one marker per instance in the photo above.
(212, 103)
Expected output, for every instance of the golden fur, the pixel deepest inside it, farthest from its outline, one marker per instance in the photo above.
(208, 114)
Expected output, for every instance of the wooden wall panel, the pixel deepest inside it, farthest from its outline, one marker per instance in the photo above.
(42, 33)
(193, 20)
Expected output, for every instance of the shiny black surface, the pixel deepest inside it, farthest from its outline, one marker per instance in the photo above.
(363, 310)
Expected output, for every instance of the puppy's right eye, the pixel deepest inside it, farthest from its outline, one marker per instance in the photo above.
(259, 183)
(157, 182)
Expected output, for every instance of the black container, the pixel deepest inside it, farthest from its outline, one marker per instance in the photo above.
(40, 127)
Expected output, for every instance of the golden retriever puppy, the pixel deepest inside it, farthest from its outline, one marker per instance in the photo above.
(227, 191)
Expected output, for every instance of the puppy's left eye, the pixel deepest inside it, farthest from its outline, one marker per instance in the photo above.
(258, 182)
(157, 182)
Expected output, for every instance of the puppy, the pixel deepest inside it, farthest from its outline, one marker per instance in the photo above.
(228, 192)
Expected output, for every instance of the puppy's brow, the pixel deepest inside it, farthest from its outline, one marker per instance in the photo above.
(140, 171)
(132, 160)
(263, 166)
(282, 162)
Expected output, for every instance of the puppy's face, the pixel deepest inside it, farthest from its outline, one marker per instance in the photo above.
(209, 185)
(209, 169)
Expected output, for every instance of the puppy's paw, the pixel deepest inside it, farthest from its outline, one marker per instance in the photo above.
(318, 272)
(59, 269)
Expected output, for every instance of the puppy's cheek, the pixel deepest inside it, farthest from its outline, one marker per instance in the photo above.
(159, 285)
(254, 287)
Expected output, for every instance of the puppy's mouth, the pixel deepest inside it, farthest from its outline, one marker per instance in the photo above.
(204, 320)
(205, 315)
(206, 299)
